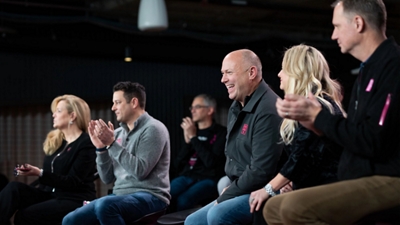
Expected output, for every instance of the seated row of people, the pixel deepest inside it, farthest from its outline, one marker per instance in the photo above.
(135, 157)
(317, 131)
(309, 123)
(256, 135)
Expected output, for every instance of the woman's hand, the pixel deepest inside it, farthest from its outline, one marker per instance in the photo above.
(257, 198)
(286, 188)
(28, 170)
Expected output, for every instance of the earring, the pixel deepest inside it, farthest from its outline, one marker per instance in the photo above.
(71, 122)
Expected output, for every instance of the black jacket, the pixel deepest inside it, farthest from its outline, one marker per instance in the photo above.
(370, 134)
(210, 154)
(312, 160)
(70, 175)
(252, 149)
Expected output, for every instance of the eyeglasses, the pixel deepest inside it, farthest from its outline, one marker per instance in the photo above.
(196, 107)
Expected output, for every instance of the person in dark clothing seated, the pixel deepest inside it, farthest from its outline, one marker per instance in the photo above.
(252, 147)
(369, 167)
(312, 159)
(3, 181)
(201, 159)
(66, 178)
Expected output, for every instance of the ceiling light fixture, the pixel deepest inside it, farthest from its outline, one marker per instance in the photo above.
(239, 2)
(128, 54)
(152, 15)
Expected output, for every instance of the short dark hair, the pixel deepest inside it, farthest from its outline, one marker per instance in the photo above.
(208, 101)
(373, 11)
(132, 90)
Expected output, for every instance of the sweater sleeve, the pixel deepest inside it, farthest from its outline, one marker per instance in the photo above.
(147, 153)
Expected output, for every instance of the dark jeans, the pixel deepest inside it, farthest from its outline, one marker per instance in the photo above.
(34, 206)
(187, 192)
(115, 209)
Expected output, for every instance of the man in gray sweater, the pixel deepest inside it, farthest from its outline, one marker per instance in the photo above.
(136, 157)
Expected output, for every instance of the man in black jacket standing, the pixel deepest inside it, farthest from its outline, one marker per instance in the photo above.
(201, 160)
(370, 163)
(252, 148)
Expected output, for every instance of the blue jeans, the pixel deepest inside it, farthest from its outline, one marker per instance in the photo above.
(232, 211)
(187, 192)
(115, 209)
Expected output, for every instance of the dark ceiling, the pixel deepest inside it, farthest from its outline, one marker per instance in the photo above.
(198, 29)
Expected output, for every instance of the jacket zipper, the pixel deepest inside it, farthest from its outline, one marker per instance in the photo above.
(52, 162)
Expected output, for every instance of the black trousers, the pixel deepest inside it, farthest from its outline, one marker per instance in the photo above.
(32, 205)
(258, 218)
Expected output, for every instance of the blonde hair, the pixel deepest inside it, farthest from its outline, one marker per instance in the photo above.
(308, 72)
(74, 104)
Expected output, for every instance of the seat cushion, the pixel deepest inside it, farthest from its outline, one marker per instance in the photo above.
(176, 218)
(389, 216)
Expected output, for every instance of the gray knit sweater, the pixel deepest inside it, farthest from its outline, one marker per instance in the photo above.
(139, 159)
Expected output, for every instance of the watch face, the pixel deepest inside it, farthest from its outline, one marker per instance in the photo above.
(268, 189)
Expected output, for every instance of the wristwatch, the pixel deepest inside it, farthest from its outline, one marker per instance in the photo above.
(109, 146)
(269, 190)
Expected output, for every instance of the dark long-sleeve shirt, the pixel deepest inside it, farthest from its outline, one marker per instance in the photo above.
(208, 145)
(69, 172)
(312, 159)
(370, 133)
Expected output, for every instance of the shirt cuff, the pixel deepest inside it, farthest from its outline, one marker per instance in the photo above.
(101, 150)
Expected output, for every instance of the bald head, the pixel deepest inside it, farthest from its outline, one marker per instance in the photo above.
(241, 73)
(246, 58)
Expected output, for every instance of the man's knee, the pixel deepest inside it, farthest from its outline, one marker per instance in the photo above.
(68, 219)
(191, 219)
(104, 205)
(286, 206)
(221, 214)
(215, 216)
(271, 205)
(292, 208)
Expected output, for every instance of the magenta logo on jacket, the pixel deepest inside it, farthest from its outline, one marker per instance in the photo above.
(244, 129)
(213, 139)
(119, 141)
